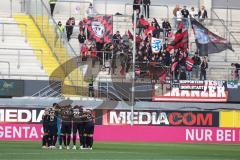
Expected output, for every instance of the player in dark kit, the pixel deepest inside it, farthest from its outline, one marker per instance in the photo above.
(66, 127)
(52, 129)
(89, 130)
(45, 122)
(77, 125)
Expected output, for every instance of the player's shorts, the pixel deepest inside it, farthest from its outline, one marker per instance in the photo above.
(53, 130)
(66, 128)
(78, 127)
(89, 128)
(45, 128)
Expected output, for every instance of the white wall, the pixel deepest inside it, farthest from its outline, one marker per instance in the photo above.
(5, 7)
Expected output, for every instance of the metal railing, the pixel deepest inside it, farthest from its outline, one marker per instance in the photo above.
(50, 90)
(13, 6)
(56, 40)
(4, 29)
(228, 33)
(8, 63)
(23, 76)
(19, 55)
(227, 70)
(141, 5)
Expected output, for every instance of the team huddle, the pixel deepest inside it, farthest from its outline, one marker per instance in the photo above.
(73, 120)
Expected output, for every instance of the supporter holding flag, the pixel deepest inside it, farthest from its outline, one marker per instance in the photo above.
(142, 25)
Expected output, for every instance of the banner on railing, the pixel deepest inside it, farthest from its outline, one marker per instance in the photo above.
(191, 91)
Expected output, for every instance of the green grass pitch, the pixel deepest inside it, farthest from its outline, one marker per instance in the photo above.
(114, 151)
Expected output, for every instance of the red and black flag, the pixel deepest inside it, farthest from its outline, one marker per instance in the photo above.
(208, 42)
(180, 41)
(100, 28)
(189, 63)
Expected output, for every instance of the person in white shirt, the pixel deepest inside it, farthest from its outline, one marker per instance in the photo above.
(193, 13)
(178, 17)
(90, 11)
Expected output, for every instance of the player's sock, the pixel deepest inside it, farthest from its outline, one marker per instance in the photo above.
(44, 140)
(51, 140)
(74, 139)
(84, 141)
(60, 140)
(81, 139)
(55, 140)
(87, 141)
(68, 139)
(64, 140)
(91, 142)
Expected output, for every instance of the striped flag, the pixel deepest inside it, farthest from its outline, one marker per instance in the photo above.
(189, 63)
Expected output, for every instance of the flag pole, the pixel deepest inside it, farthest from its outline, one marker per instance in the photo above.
(133, 75)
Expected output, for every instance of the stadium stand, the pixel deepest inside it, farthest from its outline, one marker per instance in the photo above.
(16, 50)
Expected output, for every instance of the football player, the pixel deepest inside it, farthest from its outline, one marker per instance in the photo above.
(45, 122)
(89, 130)
(77, 124)
(52, 129)
(66, 127)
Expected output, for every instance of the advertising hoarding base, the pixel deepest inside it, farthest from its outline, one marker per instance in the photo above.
(33, 132)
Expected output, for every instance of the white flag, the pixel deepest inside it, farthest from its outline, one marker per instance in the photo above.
(156, 45)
